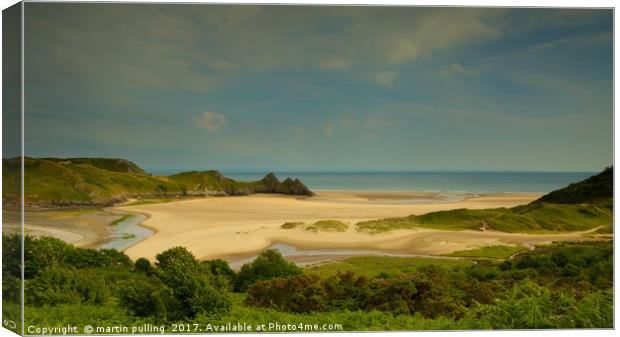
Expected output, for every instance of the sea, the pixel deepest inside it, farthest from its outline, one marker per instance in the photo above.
(439, 182)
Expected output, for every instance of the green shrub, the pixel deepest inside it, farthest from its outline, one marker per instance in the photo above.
(144, 266)
(328, 226)
(56, 285)
(268, 264)
(299, 294)
(194, 289)
(292, 225)
(222, 272)
(145, 297)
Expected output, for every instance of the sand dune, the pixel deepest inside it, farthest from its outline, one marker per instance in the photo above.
(233, 226)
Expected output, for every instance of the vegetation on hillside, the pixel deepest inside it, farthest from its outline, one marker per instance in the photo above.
(108, 164)
(293, 224)
(328, 226)
(537, 217)
(53, 182)
(319, 226)
(596, 189)
(558, 286)
(491, 252)
(591, 207)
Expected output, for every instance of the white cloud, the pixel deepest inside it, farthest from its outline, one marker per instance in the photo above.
(210, 120)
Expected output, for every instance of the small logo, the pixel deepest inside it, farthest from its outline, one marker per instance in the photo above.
(9, 323)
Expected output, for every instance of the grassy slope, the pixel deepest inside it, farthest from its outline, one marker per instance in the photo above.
(493, 252)
(596, 189)
(328, 226)
(64, 183)
(108, 164)
(555, 212)
(212, 181)
(319, 226)
(101, 181)
(371, 266)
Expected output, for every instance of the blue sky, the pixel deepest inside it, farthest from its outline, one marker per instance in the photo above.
(321, 88)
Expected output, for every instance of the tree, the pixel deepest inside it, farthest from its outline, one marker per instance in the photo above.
(57, 285)
(145, 297)
(269, 264)
(144, 266)
(222, 272)
(300, 294)
(194, 289)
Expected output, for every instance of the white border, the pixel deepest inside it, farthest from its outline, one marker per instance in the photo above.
(474, 3)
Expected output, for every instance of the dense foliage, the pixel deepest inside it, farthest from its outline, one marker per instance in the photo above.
(558, 286)
(56, 273)
(596, 189)
(541, 289)
(268, 264)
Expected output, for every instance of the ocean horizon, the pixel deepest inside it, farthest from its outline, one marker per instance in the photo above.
(420, 181)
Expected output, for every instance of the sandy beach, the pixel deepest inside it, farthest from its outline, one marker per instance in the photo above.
(233, 228)
(226, 227)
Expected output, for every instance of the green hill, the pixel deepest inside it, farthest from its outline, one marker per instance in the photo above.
(596, 189)
(53, 182)
(580, 206)
(108, 164)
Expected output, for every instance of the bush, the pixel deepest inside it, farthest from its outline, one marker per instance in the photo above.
(43, 252)
(328, 226)
(344, 290)
(292, 225)
(144, 297)
(394, 295)
(55, 286)
(144, 266)
(194, 288)
(269, 264)
(222, 272)
(299, 294)
(594, 311)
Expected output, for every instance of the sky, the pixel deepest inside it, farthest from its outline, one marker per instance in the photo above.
(256, 88)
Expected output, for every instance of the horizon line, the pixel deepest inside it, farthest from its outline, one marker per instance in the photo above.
(336, 171)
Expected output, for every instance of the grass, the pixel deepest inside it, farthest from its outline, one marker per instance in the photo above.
(596, 189)
(127, 236)
(75, 212)
(292, 225)
(492, 252)
(100, 181)
(148, 201)
(328, 226)
(371, 266)
(532, 218)
(319, 226)
(386, 225)
(112, 315)
(346, 320)
(121, 219)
